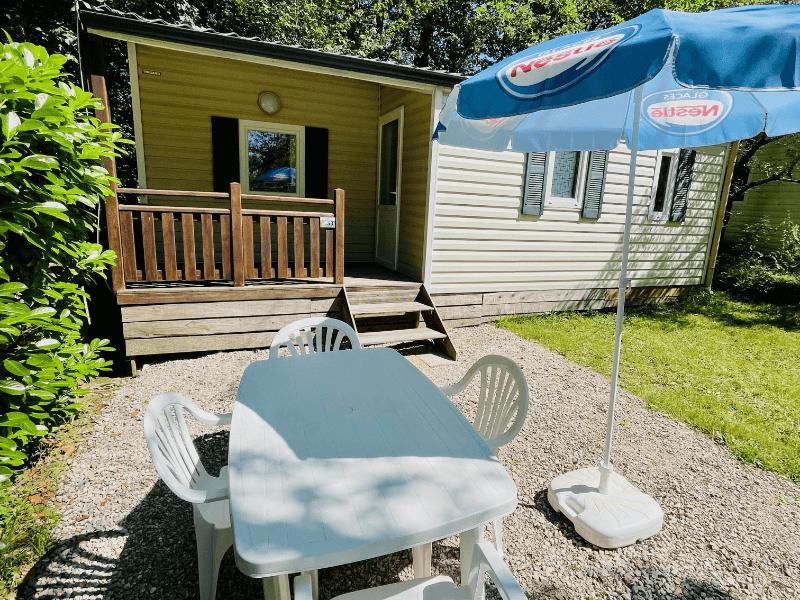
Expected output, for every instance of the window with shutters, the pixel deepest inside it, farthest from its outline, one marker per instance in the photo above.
(672, 179)
(564, 179)
(272, 157)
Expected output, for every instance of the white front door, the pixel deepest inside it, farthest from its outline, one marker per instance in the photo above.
(390, 166)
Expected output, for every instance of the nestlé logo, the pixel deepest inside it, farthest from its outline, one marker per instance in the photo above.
(554, 70)
(685, 111)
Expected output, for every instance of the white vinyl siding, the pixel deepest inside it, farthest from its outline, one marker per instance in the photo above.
(482, 243)
(775, 201)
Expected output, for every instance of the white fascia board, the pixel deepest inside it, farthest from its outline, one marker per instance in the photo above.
(437, 104)
(425, 88)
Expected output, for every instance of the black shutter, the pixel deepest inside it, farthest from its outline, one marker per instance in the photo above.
(535, 173)
(683, 179)
(225, 152)
(316, 167)
(595, 184)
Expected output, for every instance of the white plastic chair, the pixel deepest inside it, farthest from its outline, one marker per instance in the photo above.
(485, 559)
(502, 407)
(179, 466)
(316, 334)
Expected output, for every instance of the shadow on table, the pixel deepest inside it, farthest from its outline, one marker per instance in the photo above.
(152, 554)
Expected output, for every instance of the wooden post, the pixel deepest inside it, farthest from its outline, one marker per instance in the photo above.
(236, 234)
(723, 202)
(338, 213)
(283, 248)
(299, 257)
(111, 202)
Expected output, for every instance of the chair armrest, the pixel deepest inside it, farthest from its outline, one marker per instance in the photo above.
(303, 588)
(456, 388)
(485, 558)
(224, 419)
(210, 418)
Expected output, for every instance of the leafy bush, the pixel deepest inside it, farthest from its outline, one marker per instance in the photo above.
(764, 264)
(51, 181)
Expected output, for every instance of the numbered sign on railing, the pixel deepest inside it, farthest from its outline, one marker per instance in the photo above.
(328, 222)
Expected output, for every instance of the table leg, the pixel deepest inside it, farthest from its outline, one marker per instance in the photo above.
(276, 588)
(466, 542)
(314, 575)
(421, 556)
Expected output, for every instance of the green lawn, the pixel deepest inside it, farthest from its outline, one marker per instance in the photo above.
(729, 368)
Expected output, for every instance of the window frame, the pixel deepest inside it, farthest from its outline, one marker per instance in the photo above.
(580, 185)
(244, 155)
(663, 215)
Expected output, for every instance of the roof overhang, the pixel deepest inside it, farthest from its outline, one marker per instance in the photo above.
(122, 27)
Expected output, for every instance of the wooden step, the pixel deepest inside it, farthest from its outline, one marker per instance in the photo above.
(398, 336)
(375, 296)
(389, 308)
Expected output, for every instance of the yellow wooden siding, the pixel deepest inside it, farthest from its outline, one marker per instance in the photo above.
(483, 244)
(177, 107)
(414, 184)
(775, 201)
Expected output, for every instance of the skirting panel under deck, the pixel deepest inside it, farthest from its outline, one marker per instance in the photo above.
(462, 310)
(196, 320)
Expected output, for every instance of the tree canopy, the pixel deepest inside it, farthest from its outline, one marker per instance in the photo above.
(461, 36)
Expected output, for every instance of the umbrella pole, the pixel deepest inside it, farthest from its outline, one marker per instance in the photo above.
(606, 468)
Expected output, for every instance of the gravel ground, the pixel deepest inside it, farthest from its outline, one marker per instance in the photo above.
(730, 530)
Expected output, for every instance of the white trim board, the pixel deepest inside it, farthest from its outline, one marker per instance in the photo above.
(430, 201)
(425, 88)
(138, 135)
(721, 204)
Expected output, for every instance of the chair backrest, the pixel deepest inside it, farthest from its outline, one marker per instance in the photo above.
(503, 399)
(172, 450)
(316, 334)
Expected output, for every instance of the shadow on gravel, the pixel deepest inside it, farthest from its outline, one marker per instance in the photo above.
(152, 554)
(642, 583)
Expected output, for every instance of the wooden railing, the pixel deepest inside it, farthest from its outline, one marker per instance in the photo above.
(235, 244)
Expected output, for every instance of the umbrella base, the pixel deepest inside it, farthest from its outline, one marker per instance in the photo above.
(613, 520)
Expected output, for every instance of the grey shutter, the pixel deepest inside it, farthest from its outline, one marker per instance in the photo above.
(225, 152)
(316, 162)
(595, 184)
(683, 179)
(535, 173)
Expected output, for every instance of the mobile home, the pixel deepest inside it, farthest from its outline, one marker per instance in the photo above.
(277, 182)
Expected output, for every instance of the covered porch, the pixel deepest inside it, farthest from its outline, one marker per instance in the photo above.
(196, 279)
(261, 170)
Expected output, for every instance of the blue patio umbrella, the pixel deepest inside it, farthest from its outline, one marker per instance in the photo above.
(663, 80)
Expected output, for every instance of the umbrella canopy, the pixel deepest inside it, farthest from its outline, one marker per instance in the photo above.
(735, 48)
(673, 117)
(742, 63)
(663, 80)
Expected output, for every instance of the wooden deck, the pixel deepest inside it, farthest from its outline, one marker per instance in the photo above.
(163, 317)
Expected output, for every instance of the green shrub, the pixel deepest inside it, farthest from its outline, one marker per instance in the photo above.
(763, 264)
(51, 181)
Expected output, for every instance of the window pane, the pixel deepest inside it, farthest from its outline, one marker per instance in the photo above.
(272, 160)
(387, 192)
(663, 181)
(565, 174)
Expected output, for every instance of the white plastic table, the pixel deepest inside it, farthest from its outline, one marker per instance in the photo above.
(342, 456)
